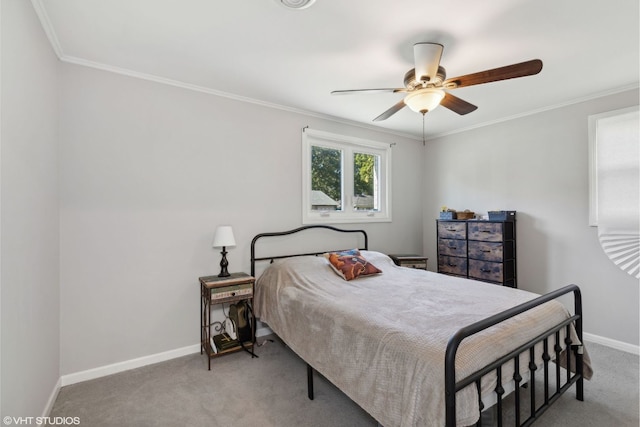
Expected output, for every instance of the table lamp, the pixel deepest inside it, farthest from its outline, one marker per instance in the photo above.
(223, 237)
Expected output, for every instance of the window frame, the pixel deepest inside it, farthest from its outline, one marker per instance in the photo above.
(593, 122)
(348, 145)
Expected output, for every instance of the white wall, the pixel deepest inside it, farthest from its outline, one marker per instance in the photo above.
(147, 173)
(29, 214)
(537, 166)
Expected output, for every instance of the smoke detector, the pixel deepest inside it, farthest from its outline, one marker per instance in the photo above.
(296, 4)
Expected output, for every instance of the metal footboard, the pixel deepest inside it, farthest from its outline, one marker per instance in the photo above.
(551, 346)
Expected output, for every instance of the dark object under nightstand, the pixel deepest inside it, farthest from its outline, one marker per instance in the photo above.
(410, 260)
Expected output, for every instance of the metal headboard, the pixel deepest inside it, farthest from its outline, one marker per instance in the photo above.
(284, 233)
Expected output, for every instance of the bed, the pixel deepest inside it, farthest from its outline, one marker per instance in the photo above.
(417, 348)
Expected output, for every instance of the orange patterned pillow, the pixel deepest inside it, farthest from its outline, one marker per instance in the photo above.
(350, 264)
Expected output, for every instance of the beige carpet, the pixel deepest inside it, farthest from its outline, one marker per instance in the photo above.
(271, 391)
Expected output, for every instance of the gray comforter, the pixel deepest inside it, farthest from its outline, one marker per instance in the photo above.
(381, 339)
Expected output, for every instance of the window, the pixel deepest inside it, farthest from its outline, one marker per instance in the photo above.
(613, 166)
(344, 179)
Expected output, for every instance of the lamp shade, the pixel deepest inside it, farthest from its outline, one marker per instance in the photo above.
(424, 100)
(223, 237)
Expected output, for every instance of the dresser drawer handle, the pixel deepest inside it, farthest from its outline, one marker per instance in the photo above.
(486, 250)
(453, 246)
(450, 228)
(452, 265)
(485, 270)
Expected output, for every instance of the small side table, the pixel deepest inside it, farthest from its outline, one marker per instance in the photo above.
(410, 260)
(216, 290)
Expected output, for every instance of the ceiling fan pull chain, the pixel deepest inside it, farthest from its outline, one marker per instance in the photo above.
(423, 141)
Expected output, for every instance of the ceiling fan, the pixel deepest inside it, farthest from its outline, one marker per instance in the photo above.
(426, 83)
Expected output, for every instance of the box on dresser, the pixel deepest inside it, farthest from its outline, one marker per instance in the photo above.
(502, 215)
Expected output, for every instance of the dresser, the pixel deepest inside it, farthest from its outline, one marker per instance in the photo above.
(480, 250)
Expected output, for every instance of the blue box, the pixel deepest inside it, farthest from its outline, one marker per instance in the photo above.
(502, 215)
(448, 215)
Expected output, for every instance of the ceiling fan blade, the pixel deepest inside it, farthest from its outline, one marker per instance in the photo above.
(391, 111)
(352, 91)
(427, 59)
(457, 105)
(522, 69)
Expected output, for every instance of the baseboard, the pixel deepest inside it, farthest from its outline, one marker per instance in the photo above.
(115, 368)
(263, 331)
(618, 345)
(260, 332)
(52, 398)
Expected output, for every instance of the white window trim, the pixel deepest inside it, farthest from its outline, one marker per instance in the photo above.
(325, 139)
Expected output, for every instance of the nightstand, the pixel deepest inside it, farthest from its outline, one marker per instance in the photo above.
(216, 290)
(410, 260)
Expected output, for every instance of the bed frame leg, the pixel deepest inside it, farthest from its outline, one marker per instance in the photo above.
(489, 417)
(580, 370)
(577, 297)
(310, 381)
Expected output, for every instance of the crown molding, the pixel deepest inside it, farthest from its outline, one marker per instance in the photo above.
(47, 27)
(203, 89)
(540, 110)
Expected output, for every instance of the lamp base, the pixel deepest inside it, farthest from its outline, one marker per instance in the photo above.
(223, 264)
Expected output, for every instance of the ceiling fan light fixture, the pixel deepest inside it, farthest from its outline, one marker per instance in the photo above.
(424, 100)
(296, 4)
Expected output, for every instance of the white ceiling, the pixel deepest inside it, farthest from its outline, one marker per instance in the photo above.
(259, 51)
